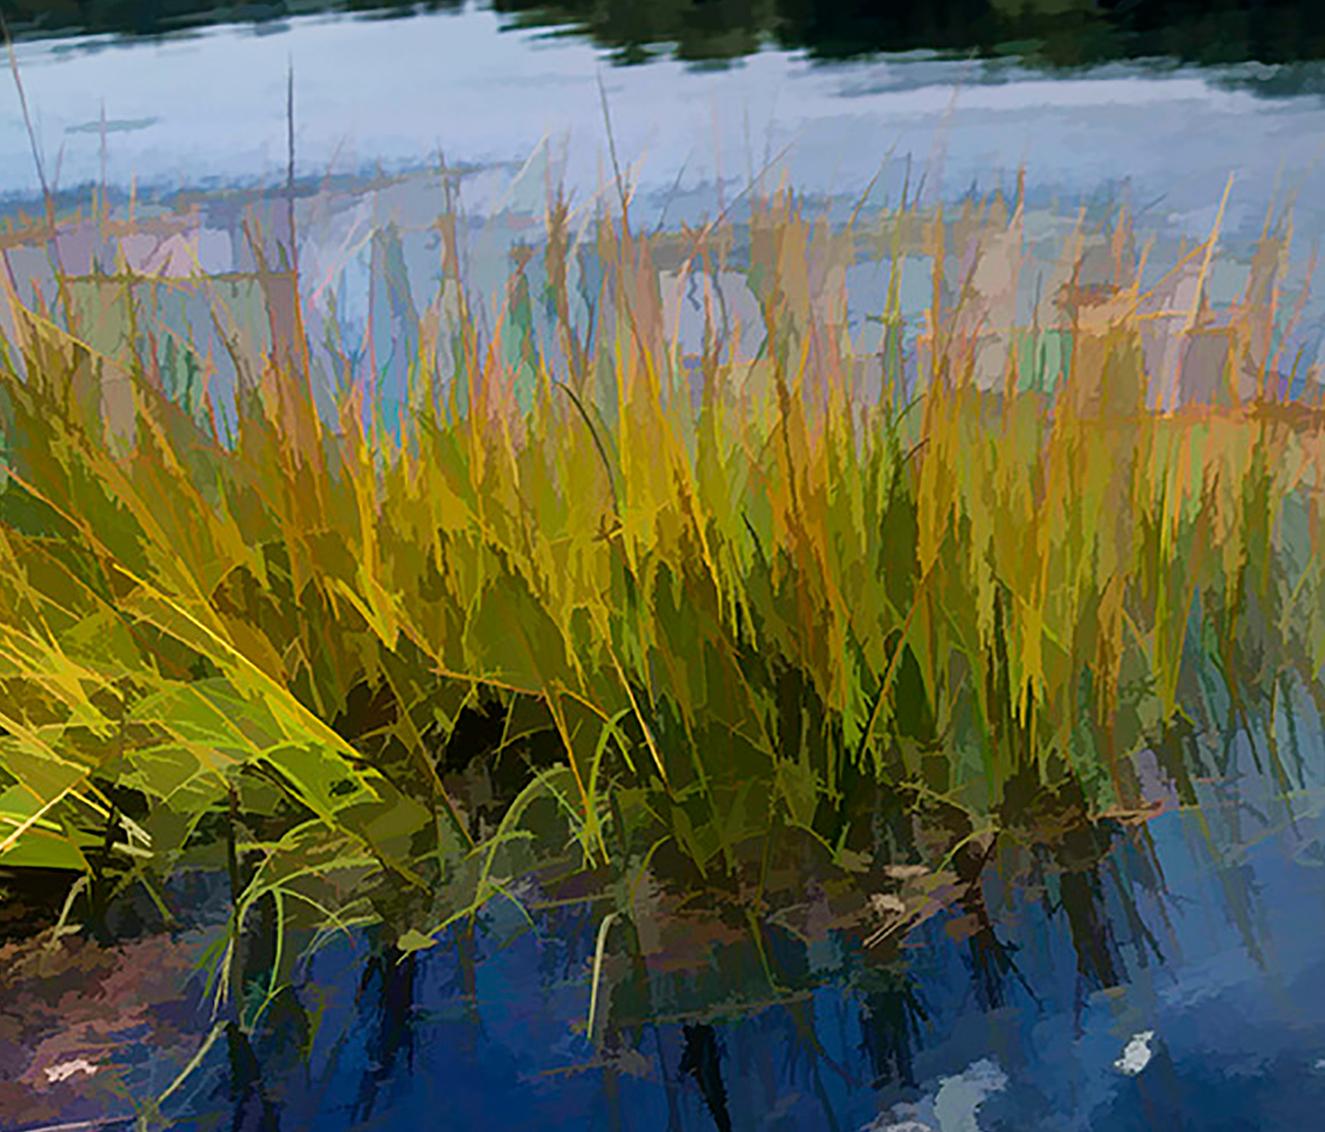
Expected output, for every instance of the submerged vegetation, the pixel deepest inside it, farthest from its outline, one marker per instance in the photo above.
(593, 618)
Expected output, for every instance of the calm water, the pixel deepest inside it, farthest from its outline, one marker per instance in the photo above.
(210, 107)
(508, 105)
(1056, 33)
(1171, 978)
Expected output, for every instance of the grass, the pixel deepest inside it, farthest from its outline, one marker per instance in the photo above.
(564, 623)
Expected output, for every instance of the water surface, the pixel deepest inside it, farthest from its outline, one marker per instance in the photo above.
(1161, 976)
(1211, 951)
(211, 107)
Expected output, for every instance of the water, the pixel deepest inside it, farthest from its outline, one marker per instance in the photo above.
(195, 127)
(1166, 976)
(1056, 33)
(1219, 960)
(210, 108)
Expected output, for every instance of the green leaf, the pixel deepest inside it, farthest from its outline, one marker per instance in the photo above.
(511, 635)
(42, 845)
(414, 940)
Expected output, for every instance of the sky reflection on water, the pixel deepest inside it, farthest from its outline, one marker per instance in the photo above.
(1216, 952)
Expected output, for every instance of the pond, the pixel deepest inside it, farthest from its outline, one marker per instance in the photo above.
(508, 102)
(1158, 975)
(209, 106)
(1173, 983)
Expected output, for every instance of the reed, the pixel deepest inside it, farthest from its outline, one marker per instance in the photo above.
(586, 602)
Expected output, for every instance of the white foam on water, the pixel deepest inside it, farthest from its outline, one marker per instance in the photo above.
(1136, 1054)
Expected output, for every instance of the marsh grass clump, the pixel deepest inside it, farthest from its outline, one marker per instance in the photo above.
(587, 614)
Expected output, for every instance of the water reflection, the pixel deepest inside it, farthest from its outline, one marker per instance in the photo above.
(1046, 32)
(700, 1059)
(139, 18)
(1160, 973)
(1049, 32)
(1141, 974)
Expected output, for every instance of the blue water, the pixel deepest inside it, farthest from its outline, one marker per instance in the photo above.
(1216, 952)
(176, 113)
